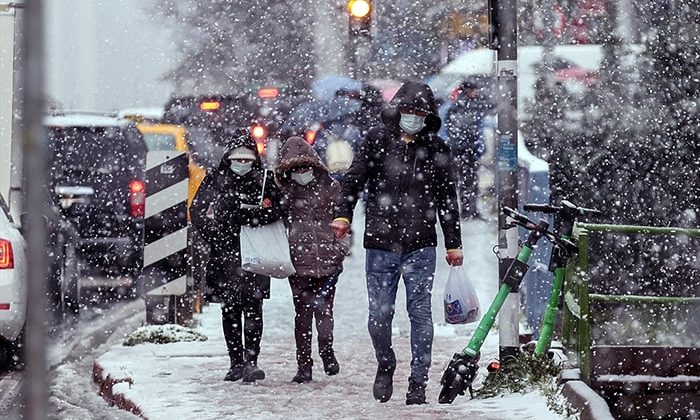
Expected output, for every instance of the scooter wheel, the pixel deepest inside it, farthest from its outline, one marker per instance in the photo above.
(451, 390)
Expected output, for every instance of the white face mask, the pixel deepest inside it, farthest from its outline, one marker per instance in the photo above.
(303, 178)
(241, 168)
(411, 123)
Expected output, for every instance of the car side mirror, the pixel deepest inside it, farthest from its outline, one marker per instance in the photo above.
(23, 222)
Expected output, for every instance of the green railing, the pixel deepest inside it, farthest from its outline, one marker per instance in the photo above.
(576, 327)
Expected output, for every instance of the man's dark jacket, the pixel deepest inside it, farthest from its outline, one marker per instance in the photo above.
(410, 185)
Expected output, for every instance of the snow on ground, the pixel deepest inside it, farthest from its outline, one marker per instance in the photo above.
(172, 379)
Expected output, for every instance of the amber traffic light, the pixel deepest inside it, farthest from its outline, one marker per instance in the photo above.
(360, 17)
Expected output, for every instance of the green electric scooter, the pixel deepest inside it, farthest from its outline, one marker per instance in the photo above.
(462, 369)
(567, 214)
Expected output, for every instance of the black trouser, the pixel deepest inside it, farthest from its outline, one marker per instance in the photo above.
(242, 316)
(313, 297)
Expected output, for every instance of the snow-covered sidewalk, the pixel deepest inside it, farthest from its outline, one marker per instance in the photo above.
(171, 381)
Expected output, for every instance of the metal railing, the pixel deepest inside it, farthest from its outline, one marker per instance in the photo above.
(576, 326)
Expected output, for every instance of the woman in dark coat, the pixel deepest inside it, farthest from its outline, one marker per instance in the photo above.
(229, 198)
(310, 196)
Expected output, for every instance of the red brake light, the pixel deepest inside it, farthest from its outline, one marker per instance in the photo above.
(7, 259)
(258, 132)
(267, 93)
(311, 136)
(137, 198)
(210, 105)
(494, 366)
(4, 306)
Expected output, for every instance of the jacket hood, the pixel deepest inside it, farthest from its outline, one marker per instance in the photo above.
(416, 96)
(240, 137)
(297, 152)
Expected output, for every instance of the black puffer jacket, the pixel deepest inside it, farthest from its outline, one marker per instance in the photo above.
(315, 250)
(217, 214)
(410, 185)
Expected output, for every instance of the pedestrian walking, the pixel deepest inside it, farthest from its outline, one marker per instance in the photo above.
(406, 169)
(228, 198)
(464, 123)
(310, 196)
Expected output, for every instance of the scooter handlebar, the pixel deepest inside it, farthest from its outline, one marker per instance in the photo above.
(567, 207)
(518, 217)
(542, 208)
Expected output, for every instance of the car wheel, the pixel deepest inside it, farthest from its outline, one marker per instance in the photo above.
(70, 284)
(12, 353)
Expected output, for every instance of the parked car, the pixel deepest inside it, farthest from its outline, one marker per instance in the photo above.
(13, 285)
(106, 154)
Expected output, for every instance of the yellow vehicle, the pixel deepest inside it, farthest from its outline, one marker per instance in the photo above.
(172, 137)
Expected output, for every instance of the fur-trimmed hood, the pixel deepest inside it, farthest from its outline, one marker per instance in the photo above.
(296, 152)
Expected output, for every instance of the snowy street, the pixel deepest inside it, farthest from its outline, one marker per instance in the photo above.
(166, 380)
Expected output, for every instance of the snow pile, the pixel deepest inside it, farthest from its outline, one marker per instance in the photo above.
(163, 334)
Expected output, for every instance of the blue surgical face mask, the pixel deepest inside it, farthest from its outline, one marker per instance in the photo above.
(411, 123)
(241, 168)
(303, 178)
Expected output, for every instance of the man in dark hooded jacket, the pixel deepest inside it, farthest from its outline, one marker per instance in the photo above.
(229, 198)
(407, 171)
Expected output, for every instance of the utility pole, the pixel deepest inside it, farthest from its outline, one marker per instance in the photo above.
(504, 39)
(35, 392)
(360, 37)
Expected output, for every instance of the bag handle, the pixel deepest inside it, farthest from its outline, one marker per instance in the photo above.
(262, 193)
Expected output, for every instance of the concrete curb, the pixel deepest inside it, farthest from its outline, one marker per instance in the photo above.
(106, 383)
(591, 405)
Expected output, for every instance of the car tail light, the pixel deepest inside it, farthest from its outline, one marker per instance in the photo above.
(7, 260)
(4, 306)
(259, 133)
(210, 105)
(311, 136)
(137, 198)
(268, 93)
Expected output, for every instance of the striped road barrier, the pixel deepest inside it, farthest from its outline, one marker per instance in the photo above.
(165, 255)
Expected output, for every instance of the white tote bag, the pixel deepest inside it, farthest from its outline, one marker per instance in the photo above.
(461, 301)
(265, 248)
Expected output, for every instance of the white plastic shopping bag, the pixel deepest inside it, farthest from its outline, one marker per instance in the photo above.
(265, 250)
(461, 301)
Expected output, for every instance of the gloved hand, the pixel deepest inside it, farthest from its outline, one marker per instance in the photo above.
(455, 257)
(340, 228)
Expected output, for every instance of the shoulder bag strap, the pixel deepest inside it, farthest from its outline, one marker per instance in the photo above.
(262, 193)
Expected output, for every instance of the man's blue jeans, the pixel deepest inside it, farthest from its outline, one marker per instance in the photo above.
(384, 269)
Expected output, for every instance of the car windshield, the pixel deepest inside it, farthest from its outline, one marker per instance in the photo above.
(159, 142)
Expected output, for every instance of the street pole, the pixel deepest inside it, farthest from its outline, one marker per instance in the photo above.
(503, 15)
(35, 391)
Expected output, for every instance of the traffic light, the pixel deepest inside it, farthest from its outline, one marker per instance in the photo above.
(360, 17)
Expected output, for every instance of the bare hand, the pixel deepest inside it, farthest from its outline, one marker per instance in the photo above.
(455, 257)
(340, 228)
(267, 203)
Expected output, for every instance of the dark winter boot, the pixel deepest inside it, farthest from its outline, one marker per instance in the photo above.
(384, 383)
(416, 393)
(330, 364)
(252, 373)
(234, 373)
(303, 374)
